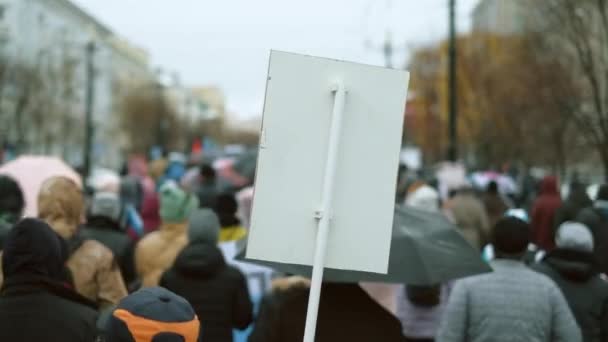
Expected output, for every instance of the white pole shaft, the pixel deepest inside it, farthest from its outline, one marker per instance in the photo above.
(325, 214)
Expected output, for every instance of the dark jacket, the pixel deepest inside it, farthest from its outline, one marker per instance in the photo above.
(543, 213)
(217, 292)
(577, 201)
(346, 313)
(110, 234)
(597, 221)
(38, 311)
(585, 291)
(35, 302)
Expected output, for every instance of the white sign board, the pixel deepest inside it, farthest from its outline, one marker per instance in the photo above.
(294, 152)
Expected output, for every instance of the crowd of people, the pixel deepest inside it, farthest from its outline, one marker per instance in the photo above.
(152, 257)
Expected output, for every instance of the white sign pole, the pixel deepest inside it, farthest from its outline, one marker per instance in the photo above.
(324, 214)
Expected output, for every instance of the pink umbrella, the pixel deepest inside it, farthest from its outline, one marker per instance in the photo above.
(31, 171)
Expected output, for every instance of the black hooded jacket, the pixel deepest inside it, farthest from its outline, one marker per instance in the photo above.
(36, 303)
(217, 292)
(585, 291)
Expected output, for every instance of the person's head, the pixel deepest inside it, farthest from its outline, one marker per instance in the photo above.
(153, 315)
(176, 205)
(574, 236)
(12, 201)
(602, 193)
(33, 249)
(510, 238)
(226, 208)
(106, 205)
(207, 173)
(61, 205)
(492, 188)
(424, 198)
(204, 227)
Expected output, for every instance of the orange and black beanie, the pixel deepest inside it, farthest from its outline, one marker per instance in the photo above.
(153, 315)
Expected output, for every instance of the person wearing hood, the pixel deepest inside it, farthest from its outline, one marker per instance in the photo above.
(577, 200)
(12, 204)
(35, 303)
(94, 270)
(226, 209)
(218, 292)
(570, 266)
(156, 252)
(103, 225)
(543, 213)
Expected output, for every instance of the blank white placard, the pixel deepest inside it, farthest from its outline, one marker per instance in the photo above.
(293, 152)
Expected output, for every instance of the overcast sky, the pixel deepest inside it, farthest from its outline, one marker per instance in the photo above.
(227, 42)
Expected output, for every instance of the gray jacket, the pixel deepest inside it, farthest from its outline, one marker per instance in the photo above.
(513, 303)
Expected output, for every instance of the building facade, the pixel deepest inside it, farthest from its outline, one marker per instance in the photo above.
(47, 40)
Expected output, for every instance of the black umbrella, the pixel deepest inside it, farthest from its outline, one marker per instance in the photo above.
(425, 249)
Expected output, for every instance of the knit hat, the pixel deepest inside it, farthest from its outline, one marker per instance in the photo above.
(175, 204)
(11, 199)
(511, 235)
(574, 236)
(425, 198)
(204, 227)
(106, 204)
(153, 315)
(32, 248)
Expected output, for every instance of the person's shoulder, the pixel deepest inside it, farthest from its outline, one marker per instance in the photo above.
(149, 239)
(71, 307)
(96, 248)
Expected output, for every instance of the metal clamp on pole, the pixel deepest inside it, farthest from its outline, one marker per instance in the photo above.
(325, 213)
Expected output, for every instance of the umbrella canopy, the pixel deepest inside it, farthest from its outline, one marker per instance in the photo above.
(425, 249)
(31, 171)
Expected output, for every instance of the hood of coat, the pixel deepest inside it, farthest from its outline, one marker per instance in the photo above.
(572, 265)
(200, 260)
(549, 186)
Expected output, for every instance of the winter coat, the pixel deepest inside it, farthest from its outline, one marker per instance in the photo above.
(232, 233)
(156, 252)
(577, 201)
(470, 216)
(38, 311)
(543, 213)
(585, 291)
(346, 313)
(597, 221)
(513, 303)
(217, 292)
(111, 235)
(207, 193)
(36, 303)
(495, 207)
(95, 272)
